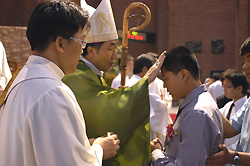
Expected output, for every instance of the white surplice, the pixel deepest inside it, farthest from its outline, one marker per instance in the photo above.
(41, 122)
(160, 102)
(5, 74)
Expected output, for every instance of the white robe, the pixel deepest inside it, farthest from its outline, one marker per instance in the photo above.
(160, 102)
(4, 67)
(42, 123)
(117, 81)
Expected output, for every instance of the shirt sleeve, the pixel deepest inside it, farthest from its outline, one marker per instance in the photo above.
(238, 117)
(57, 129)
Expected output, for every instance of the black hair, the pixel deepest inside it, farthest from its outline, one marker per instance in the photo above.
(53, 18)
(144, 60)
(97, 46)
(237, 77)
(245, 47)
(180, 58)
(216, 76)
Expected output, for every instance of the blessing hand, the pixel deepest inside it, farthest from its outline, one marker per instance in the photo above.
(154, 70)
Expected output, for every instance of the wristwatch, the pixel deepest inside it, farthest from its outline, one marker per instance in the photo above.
(236, 160)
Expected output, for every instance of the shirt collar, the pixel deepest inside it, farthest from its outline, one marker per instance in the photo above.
(194, 93)
(98, 72)
(136, 76)
(50, 65)
(239, 101)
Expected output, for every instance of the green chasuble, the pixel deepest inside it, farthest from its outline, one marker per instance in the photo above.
(124, 111)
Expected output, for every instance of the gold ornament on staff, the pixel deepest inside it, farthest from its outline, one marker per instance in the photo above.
(125, 32)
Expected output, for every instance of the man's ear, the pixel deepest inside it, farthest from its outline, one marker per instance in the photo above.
(60, 43)
(144, 70)
(239, 88)
(91, 51)
(184, 74)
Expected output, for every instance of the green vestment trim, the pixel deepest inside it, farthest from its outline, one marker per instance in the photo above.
(124, 111)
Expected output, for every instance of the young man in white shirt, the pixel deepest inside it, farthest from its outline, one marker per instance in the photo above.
(235, 85)
(239, 124)
(41, 122)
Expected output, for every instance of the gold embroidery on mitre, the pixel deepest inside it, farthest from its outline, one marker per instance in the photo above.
(103, 23)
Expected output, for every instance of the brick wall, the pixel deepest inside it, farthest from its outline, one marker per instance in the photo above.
(16, 44)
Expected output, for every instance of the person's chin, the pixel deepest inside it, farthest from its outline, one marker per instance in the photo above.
(107, 69)
(248, 78)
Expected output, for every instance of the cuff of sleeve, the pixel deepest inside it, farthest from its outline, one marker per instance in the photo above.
(97, 149)
(145, 79)
(157, 153)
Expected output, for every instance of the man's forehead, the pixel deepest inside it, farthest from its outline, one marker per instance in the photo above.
(164, 72)
(226, 80)
(111, 42)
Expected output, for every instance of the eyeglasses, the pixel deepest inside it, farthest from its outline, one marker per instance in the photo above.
(83, 43)
(226, 87)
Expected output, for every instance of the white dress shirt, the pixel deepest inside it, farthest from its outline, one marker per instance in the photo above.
(231, 143)
(41, 122)
(215, 89)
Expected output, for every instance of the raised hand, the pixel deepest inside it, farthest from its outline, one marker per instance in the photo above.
(154, 70)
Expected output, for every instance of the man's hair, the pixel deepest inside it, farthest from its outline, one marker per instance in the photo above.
(153, 54)
(245, 47)
(144, 60)
(180, 58)
(97, 46)
(216, 76)
(237, 77)
(53, 18)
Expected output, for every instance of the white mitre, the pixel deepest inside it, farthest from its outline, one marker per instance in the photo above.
(101, 21)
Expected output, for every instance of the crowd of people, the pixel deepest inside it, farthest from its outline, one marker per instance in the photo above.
(58, 110)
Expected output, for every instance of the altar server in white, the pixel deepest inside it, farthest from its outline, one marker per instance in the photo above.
(159, 98)
(5, 73)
